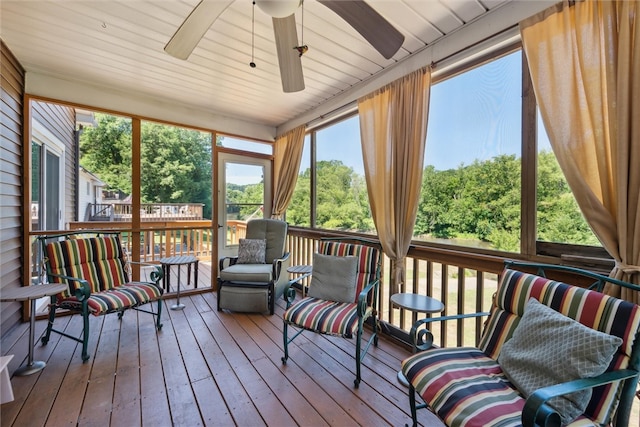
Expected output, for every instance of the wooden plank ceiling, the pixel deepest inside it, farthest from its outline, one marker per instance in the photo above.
(119, 44)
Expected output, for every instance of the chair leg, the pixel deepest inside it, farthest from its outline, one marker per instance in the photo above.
(286, 343)
(375, 329)
(412, 404)
(85, 330)
(52, 316)
(271, 298)
(356, 382)
(158, 321)
(219, 292)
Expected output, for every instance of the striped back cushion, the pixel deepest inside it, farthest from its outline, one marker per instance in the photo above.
(98, 260)
(368, 257)
(593, 309)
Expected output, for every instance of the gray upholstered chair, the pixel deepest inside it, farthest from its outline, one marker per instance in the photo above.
(251, 282)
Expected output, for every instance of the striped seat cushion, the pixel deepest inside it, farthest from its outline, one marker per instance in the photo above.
(325, 317)
(98, 260)
(126, 296)
(465, 387)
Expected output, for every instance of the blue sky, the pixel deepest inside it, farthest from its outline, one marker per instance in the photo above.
(475, 115)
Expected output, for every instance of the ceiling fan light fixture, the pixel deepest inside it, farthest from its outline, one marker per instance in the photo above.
(279, 8)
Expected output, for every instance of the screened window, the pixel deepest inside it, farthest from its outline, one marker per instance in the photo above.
(299, 209)
(341, 199)
(471, 185)
(559, 219)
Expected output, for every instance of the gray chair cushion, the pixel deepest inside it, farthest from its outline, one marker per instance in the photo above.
(274, 231)
(248, 273)
(334, 277)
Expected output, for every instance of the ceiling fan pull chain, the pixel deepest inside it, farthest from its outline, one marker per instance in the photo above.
(303, 48)
(253, 20)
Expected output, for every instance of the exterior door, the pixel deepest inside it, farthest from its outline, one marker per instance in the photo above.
(244, 193)
(46, 184)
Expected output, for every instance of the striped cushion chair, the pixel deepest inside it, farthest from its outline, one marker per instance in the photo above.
(96, 272)
(466, 386)
(340, 318)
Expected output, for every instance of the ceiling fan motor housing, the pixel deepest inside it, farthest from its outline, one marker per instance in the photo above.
(278, 8)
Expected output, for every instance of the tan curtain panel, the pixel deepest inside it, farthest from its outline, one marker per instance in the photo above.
(393, 129)
(584, 61)
(287, 152)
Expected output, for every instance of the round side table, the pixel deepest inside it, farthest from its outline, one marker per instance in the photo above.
(31, 293)
(179, 260)
(417, 303)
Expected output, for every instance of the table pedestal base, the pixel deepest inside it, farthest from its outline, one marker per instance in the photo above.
(178, 306)
(31, 368)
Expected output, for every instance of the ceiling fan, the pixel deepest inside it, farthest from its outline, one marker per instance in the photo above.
(357, 13)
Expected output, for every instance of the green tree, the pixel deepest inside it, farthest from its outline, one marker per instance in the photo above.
(559, 217)
(299, 209)
(245, 200)
(342, 200)
(480, 201)
(106, 151)
(176, 166)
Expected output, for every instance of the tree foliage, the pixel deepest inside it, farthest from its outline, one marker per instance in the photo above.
(476, 203)
(342, 202)
(105, 150)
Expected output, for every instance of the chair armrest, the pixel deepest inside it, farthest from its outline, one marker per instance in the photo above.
(422, 339)
(156, 274)
(277, 266)
(80, 292)
(227, 262)
(363, 296)
(536, 412)
(289, 295)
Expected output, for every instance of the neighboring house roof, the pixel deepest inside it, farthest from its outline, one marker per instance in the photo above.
(92, 177)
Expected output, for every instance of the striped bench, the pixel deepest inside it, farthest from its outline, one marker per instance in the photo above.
(98, 276)
(471, 386)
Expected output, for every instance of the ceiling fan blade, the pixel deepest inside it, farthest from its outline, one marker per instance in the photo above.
(370, 24)
(289, 60)
(194, 27)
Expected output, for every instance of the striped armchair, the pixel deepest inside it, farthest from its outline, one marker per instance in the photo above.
(96, 271)
(344, 319)
(469, 386)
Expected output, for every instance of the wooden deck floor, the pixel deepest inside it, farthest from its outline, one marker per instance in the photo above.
(203, 368)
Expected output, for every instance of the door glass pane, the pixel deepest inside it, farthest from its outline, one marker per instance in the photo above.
(244, 198)
(52, 191)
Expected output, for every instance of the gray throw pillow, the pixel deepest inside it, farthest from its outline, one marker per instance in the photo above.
(549, 348)
(334, 278)
(252, 251)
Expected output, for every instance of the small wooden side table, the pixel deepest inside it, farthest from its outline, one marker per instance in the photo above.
(31, 293)
(417, 303)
